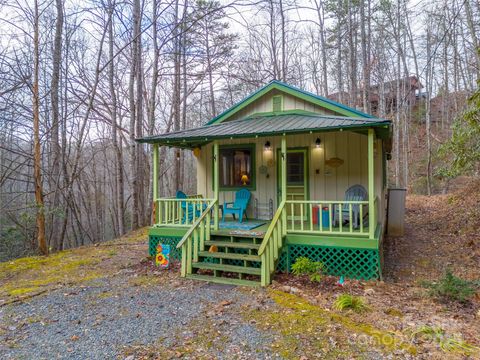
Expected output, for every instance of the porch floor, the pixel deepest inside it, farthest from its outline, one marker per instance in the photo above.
(297, 228)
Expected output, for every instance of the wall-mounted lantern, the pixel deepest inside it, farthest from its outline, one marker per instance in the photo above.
(268, 146)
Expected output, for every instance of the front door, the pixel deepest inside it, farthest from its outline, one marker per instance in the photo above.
(297, 179)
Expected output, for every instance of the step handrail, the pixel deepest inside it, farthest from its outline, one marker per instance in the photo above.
(196, 223)
(272, 242)
(270, 229)
(194, 239)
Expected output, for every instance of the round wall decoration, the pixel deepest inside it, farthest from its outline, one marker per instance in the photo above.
(263, 169)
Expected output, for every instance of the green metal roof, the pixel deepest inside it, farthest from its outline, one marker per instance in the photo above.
(268, 125)
(334, 106)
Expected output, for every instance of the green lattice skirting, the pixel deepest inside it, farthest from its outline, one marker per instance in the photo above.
(153, 240)
(352, 263)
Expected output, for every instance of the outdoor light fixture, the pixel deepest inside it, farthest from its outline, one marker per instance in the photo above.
(268, 147)
(317, 143)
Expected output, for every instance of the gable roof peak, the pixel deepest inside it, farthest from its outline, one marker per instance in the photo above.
(334, 106)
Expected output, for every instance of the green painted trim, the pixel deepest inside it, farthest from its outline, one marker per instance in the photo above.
(371, 184)
(283, 173)
(253, 181)
(284, 183)
(332, 241)
(155, 182)
(168, 231)
(216, 187)
(301, 94)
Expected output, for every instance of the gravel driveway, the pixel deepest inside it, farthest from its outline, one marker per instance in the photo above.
(111, 318)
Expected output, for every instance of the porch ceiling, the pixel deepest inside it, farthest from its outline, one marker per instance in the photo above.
(268, 125)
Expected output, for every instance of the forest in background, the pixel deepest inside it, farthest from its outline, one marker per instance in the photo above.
(81, 80)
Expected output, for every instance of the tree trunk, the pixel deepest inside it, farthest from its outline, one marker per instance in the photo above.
(55, 143)
(428, 84)
(365, 60)
(323, 45)
(37, 156)
(119, 200)
(135, 185)
(284, 42)
(176, 92)
(473, 33)
(210, 73)
(398, 100)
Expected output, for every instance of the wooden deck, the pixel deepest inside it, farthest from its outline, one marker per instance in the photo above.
(259, 232)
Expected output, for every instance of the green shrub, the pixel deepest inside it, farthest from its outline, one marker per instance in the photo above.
(305, 266)
(451, 288)
(347, 301)
(446, 343)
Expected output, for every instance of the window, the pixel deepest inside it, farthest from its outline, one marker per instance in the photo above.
(295, 168)
(277, 101)
(237, 167)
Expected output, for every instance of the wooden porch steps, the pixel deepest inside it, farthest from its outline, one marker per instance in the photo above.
(235, 261)
(237, 245)
(223, 280)
(226, 255)
(227, 268)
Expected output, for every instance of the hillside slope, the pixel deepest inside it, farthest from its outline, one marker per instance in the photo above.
(110, 301)
(441, 231)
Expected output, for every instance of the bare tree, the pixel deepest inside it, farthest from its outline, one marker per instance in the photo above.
(37, 174)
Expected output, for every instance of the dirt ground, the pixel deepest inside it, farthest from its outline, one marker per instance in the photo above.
(441, 231)
(110, 301)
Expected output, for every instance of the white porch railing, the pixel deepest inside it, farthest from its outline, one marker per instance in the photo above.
(328, 217)
(180, 212)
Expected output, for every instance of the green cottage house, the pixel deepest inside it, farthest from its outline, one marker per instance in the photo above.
(310, 174)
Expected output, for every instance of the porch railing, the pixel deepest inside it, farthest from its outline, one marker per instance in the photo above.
(180, 212)
(334, 217)
(327, 217)
(269, 250)
(194, 239)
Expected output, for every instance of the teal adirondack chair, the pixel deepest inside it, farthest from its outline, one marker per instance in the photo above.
(187, 209)
(353, 193)
(239, 206)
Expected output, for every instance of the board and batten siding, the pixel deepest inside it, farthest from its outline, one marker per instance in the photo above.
(328, 184)
(265, 104)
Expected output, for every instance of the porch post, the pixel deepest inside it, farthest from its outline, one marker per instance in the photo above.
(283, 156)
(284, 167)
(215, 183)
(371, 184)
(155, 183)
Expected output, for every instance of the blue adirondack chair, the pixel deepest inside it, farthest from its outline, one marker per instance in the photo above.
(239, 206)
(187, 209)
(353, 193)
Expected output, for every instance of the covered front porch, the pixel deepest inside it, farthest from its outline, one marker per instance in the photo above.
(311, 196)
